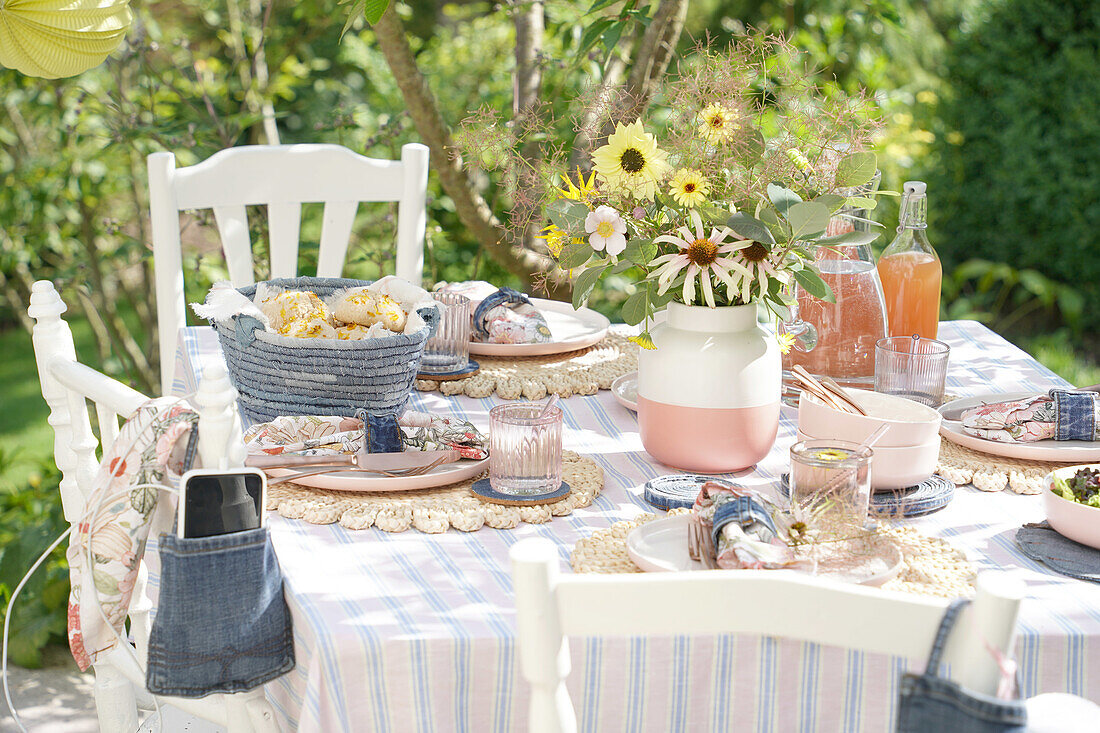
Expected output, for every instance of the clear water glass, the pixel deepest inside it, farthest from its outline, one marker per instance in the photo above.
(449, 349)
(912, 367)
(831, 484)
(524, 449)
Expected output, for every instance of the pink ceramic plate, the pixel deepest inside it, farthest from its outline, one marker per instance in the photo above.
(1078, 522)
(571, 329)
(1058, 451)
(450, 473)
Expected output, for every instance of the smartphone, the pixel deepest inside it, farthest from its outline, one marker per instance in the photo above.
(214, 502)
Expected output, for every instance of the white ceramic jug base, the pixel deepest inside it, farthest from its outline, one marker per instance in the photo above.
(707, 440)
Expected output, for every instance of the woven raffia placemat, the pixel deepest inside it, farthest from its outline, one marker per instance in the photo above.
(930, 566)
(432, 510)
(583, 372)
(992, 473)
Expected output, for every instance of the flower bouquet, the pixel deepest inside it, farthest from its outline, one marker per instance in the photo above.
(725, 200)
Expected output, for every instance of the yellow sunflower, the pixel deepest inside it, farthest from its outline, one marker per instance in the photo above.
(717, 123)
(631, 161)
(582, 191)
(644, 340)
(689, 187)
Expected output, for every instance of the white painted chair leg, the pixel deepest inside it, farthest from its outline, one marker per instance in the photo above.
(116, 706)
(535, 573)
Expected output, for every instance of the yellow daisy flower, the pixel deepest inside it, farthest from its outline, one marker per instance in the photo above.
(583, 190)
(631, 161)
(786, 342)
(689, 187)
(717, 123)
(644, 340)
(555, 238)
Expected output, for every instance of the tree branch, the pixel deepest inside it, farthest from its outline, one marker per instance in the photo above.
(471, 208)
(655, 52)
(526, 97)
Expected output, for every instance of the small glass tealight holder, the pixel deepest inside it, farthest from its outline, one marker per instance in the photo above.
(449, 349)
(831, 485)
(525, 449)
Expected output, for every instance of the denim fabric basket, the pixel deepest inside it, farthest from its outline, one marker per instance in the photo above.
(280, 375)
(222, 624)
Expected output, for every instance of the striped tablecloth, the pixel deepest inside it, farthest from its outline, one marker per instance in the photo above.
(416, 632)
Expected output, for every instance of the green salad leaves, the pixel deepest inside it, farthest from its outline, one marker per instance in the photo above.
(1083, 488)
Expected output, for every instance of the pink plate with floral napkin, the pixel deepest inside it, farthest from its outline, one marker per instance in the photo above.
(321, 436)
(1062, 451)
(572, 330)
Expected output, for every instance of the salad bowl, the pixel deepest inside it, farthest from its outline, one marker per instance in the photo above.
(1072, 519)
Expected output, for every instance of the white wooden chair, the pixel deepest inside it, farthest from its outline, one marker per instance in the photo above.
(551, 607)
(67, 386)
(282, 177)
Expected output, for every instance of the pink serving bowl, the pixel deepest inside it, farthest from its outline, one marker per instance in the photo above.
(1078, 522)
(911, 423)
(897, 467)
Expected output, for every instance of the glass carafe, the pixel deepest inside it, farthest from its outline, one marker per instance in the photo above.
(838, 339)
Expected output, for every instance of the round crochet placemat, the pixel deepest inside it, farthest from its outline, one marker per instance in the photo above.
(432, 510)
(583, 372)
(992, 473)
(930, 566)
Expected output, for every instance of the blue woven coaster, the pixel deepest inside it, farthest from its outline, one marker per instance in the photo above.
(674, 491)
(484, 490)
(927, 497)
(471, 368)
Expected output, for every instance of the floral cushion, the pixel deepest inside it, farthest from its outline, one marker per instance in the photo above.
(122, 506)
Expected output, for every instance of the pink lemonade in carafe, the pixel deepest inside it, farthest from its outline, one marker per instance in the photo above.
(848, 329)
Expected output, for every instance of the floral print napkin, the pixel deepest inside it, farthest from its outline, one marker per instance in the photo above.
(1059, 415)
(321, 435)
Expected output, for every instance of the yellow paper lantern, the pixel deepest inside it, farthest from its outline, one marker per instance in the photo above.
(56, 38)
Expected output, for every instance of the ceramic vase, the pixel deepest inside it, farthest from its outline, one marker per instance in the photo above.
(708, 395)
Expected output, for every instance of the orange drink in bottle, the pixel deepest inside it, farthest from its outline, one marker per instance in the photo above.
(910, 271)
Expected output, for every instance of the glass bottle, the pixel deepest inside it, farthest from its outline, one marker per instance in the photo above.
(910, 270)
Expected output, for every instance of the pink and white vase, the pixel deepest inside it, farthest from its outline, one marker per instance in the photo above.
(708, 395)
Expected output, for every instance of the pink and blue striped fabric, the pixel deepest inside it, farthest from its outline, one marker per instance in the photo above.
(416, 632)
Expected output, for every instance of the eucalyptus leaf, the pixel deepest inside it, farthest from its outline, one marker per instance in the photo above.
(750, 228)
(812, 283)
(754, 146)
(583, 285)
(574, 255)
(635, 308)
(849, 238)
(620, 267)
(861, 202)
(856, 169)
(807, 219)
(640, 251)
(567, 215)
(783, 198)
(831, 201)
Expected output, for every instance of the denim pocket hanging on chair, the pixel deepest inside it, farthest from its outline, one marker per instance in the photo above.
(222, 624)
(928, 703)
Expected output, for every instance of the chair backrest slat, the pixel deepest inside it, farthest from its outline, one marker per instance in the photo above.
(282, 178)
(338, 218)
(284, 223)
(236, 244)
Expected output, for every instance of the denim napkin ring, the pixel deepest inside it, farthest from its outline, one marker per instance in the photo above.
(744, 510)
(1076, 414)
(381, 433)
(222, 624)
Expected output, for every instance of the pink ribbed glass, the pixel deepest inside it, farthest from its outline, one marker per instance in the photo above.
(524, 449)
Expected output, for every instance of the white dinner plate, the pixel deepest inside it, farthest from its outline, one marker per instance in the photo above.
(625, 390)
(1062, 451)
(449, 473)
(662, 546)
(571, 329)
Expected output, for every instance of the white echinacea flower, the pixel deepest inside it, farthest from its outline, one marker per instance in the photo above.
(606, 230)
(700, 254)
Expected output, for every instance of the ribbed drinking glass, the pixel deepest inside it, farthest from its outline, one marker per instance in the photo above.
(912, 367)
(449, 349)
(831, 482)
(524, 449)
